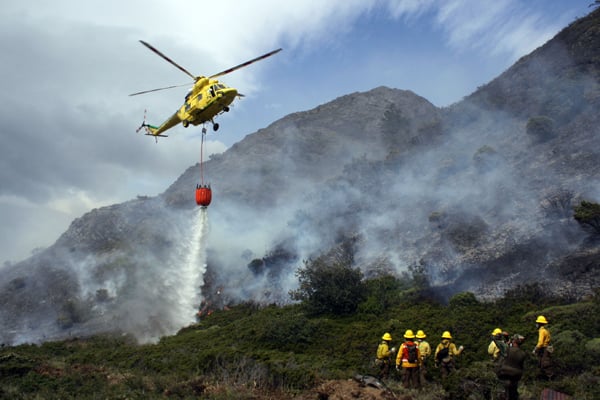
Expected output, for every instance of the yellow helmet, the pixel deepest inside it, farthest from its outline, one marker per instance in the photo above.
(446, 335)
(409, 334)
(421, 334)
(387, 336)
(541, 320)
(496, 331)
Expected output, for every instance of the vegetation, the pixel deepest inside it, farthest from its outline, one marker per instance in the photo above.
(336, 289)
(278, 352)
(486, 158)
(541, 128)
(588, 214)
(558, 203)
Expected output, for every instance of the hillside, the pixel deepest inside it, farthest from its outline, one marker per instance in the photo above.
(478, 196)
(274, 352)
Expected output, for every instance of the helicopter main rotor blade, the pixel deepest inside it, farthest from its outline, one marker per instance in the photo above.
(156, 90)
(167, 58)
(245, 64)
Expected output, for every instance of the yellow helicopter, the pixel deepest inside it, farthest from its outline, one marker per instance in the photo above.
(203, 102)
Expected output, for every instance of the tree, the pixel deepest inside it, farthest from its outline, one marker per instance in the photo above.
(558, 203)
(336, 289)
(588, 213)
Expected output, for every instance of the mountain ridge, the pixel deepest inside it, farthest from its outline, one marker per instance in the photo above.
(478, 195)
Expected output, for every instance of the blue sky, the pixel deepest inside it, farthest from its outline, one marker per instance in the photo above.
(68, 126)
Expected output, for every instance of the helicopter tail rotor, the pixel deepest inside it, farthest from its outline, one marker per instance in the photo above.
(150, 129)
(143, 125)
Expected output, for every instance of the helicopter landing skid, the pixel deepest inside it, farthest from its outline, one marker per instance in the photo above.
(155, 136)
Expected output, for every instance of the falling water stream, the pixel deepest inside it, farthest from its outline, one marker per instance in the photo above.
(184, 275)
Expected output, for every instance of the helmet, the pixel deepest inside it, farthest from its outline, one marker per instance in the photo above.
(409, 334)
(421, 334)
(446, 335)
(541, 320)
(386, 336)
(496, 331)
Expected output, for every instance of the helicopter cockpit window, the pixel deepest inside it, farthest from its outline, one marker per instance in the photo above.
(212, 91)
(221, 86)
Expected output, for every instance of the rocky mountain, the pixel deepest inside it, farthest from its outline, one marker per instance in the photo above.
(478, 196)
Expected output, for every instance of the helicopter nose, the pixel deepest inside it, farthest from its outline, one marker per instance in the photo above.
(230, 92)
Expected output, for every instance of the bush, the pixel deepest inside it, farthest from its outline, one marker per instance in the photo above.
(558, 203)
(541, 128)
(588, 214)
(486, 158)
(382, 293)
(285, 331)
(569, 354)
(336, 289)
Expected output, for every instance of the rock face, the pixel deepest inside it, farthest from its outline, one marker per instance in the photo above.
(478, 195)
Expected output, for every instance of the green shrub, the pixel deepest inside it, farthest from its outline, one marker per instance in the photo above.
(337, 289)
(569, 351)
(476, 381)
(592, 347)
(381, 293)
(285, 331)
(588, 214)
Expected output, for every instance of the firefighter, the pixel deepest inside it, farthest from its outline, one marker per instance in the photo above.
(384, 356)
(543, 348)
(498, 347)
(445, 352)
(511, 369)
(424, 353)
(408, 360)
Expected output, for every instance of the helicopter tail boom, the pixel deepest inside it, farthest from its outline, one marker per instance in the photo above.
(151, 130)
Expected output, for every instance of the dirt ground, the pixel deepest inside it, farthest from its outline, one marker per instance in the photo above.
(359, 389)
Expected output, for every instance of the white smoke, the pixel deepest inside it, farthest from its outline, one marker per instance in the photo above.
(136, 292)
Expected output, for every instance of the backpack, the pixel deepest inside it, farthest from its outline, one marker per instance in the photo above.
(443, 353)
(411, 353)
(502, 347)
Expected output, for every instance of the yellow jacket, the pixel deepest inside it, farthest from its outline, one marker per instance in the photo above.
(543, 337)
(497, 348)
(383, 351)
(493, 350)
(424, 350)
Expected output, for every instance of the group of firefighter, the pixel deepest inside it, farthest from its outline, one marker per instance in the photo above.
(507, 357)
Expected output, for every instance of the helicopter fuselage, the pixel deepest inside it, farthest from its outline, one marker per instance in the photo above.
(207, 99)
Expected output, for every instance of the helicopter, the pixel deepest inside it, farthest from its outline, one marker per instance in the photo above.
(203, 102)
